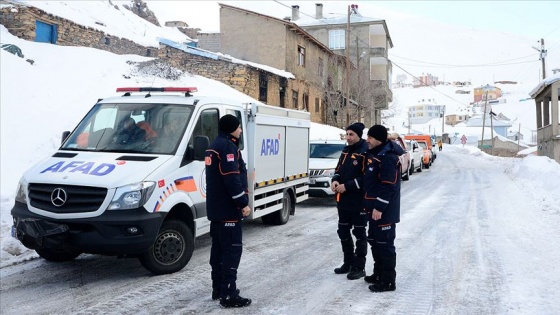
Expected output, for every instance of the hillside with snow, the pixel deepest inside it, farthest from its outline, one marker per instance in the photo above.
(515, 104)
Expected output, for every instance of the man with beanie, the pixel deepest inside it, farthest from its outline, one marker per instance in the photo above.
(226, 204)
(382, 201)
(347, 183)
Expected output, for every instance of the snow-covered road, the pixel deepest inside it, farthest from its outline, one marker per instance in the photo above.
(471, 241)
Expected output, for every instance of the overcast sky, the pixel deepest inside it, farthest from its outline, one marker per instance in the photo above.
(541, 17)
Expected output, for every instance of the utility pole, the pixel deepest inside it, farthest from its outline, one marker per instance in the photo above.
(492, 131)
(542, 57)
(346, 111)
(484, 119)
(442, 121)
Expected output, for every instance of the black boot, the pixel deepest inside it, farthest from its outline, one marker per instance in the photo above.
(216, 293)
(383, 286)
(356, 273)
(235, 301)
(371, 279)
(345, 268)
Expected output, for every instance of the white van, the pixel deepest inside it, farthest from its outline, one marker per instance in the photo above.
(129, 180)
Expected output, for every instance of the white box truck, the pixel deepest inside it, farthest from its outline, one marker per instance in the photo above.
(129, 180)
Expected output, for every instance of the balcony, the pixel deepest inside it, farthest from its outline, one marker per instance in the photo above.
(380, 87)
(378, 52)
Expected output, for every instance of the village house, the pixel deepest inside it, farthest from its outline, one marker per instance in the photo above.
(480, 93)
(367, 47)
(319, 72)
(33, 24)
(547, 97)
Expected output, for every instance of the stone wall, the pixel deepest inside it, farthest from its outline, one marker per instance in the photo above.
(20, 21)
(240, 77)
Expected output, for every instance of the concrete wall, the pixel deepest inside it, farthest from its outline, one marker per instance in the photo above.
(210, 41)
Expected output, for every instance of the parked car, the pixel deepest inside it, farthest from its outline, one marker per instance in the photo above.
(323, 157)
(429, 145)
(404, 158)
(428, 158)
(416, 156)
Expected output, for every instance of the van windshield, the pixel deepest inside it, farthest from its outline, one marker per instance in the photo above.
(133, 128)
(325, 150)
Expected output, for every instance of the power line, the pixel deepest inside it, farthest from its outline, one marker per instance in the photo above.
(498, 63)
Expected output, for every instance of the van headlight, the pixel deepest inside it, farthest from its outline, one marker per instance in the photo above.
(21, 192)
(132, 196)
(329, 172)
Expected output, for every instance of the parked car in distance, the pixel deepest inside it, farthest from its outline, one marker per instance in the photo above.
(429, 145)
(416, 156)
(404, 158)
(427, 160)
(323, 157)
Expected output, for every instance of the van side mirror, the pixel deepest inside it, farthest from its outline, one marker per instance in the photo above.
(201, 144)
(65, 135)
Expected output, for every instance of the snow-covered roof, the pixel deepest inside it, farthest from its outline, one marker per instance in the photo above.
(213, 55)
(544, 83)
(310, 21)
(108, 16)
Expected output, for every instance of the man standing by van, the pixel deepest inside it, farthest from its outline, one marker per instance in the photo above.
(347, 184)
(227, 203)
(382, 200)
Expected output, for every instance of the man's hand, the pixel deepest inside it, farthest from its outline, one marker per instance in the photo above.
(246, 211)
(376, 215)
(334, 185)
(340, 189)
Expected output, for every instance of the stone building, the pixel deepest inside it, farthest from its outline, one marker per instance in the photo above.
(281, 44)
(258, 81)
(34, 24)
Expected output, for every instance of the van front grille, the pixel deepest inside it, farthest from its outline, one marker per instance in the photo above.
(66, 198)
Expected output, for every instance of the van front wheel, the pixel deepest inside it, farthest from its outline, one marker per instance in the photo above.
(172, 249)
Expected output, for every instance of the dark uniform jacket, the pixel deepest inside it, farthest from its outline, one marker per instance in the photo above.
(349, 171)
(226, 179)
(382, 182)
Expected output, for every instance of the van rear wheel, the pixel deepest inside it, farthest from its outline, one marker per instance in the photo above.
(281, 216)
(172, 248)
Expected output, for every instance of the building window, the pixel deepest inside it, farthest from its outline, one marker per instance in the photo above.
(301, 56)
(316, 104)
(263, 87)
(107, 41)
(148, 52)
(295, 99)
(305, 101)
(337, 39)
(320, 68)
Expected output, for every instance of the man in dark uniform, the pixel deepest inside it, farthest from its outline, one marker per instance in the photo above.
(382, 201)
(227, 203)
(347, 184)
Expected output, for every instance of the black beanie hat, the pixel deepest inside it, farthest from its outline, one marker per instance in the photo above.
(357, 127)
(228, 123)
(378, 132)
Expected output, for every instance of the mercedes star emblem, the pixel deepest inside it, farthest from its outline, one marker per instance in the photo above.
(59, 197)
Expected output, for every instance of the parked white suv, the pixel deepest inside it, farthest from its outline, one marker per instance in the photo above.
(416, 155)
(323, 157)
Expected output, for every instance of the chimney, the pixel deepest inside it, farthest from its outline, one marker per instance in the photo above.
(295, 12)
(318, 11)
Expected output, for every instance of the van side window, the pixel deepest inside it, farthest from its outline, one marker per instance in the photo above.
(237, 114)
(207, 125)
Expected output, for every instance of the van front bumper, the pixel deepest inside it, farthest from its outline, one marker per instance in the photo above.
(116, 232)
